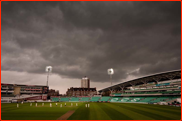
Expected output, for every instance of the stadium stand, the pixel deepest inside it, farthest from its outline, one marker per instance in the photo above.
(117, 94)
(136, 99)
(159, 99)
(64, 99)
(147, 99)
(171, 92)
(95, 99)
(74, 99)
(125, 99)
(171, 98)
(10, 95)
(105, 99)
(151, 92)
(85, 99)
(115, 99)
(139, 93)
(55, 99)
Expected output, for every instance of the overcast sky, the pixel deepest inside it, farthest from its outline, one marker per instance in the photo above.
(85, 39)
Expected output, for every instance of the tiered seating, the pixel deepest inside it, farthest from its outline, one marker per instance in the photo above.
(160, 99)
(125, 99)
(8, 95)
(154, 88)
(151, 92)
(171, 98)
(163, 84)
(117, 94)
(176, 91)
(95, 99)
(136, 99)
(115, 99)
(104, 98)
(65, 99)
(143, 89)
(74, 99)
(176, 82)
(172, 87)
(171, 92)
(85, 99)
(127, 93)
(147, 99)
(142, 99)
(55, 99)
(139, 93)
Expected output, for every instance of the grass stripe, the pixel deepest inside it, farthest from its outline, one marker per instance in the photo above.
(130, 113)
(97, 112)
(114, 114)
(157, 115)
(93, 112)
(162, 108)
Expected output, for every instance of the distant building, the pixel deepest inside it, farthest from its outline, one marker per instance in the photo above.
(84, 90)
(85, 82)
(14, 89)
(53, 92)
(21, 92)
(80, 91)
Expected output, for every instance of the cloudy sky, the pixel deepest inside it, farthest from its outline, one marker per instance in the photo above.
(85, 39)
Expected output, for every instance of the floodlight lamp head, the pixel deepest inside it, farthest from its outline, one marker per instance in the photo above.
(110, 71)
(48, 69)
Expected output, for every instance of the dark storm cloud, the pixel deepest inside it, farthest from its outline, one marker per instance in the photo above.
(87, 38)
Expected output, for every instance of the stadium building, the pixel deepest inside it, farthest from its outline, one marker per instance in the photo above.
(84, 90)
(53, 92)
(74, 91)
(85, 82)
(157, 88)
(161, 88)
(11, 92)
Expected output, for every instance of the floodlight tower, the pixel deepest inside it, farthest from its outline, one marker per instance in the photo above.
(48, 69)
(110, 72)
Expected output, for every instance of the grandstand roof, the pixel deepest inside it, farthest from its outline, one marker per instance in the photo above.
(158, 77)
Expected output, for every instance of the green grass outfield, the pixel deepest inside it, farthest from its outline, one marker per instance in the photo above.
(96, 111)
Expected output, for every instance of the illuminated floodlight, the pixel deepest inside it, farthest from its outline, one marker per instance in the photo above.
(48, 69)
(110, 72)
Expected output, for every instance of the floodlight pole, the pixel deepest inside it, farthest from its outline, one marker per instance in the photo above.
(48, 70)
(111, 82)
(111, 79)
(47, 77)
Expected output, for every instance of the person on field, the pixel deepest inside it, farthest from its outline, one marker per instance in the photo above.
(56, 104)
(50, 105)
(65, 104)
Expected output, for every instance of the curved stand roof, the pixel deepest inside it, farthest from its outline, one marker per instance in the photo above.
(158, 77)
